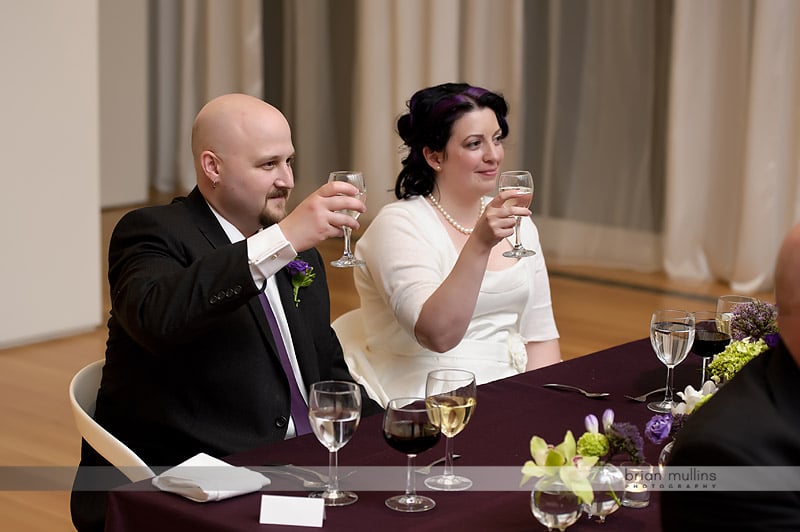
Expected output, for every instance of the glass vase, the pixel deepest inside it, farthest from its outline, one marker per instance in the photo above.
(663, 458)
(553, 504)
(608, 485)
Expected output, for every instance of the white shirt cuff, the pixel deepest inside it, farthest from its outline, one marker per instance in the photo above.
(268, 251)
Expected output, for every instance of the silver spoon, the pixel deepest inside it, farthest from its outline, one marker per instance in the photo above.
(591, 395)
(643, 398)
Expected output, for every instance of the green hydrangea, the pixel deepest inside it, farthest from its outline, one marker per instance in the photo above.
(726, 364)
(593, 444)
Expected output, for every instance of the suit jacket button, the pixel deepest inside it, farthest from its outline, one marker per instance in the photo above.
(229, 292)
(213, 299)
(237, 289)
(281, 421)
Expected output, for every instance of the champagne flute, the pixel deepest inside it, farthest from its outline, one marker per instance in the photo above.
(521, 181)
(408, 429)
(450, 397)
(712, 333)
(671, 335)
(348, 260)
(728, 303)
(334, 410)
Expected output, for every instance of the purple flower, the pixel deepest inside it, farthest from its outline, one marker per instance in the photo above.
(772, 339)
(298, 266)
(658, 428)
(302, 276)
(755, 320)
(624, 438)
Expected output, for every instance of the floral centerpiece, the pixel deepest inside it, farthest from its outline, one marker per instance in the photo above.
(574, 461)
(754, 329)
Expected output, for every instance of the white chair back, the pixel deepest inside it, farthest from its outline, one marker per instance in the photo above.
(83, 398)
(349, 328)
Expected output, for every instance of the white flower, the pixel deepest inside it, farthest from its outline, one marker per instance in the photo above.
(591, 423)
(691, 397)
(517, 352)
(608, 419)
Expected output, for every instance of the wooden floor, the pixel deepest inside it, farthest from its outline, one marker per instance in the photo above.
(594, 308)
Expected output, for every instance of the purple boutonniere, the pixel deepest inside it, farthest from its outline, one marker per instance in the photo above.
(302, 275)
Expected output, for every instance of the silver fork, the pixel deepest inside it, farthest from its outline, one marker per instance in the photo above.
(643, 398)
(424, 470)
(591, 395)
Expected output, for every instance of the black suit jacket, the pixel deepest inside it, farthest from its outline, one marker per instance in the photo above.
(753, 420)
(191, 364)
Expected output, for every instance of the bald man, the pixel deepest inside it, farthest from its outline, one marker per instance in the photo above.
(754, 420)
(192, 364)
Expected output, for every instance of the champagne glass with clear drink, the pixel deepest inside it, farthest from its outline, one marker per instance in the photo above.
(408, 429)
(334, 410)
(450, 396)
(671, 335)
(521, 181)
(712, 334)
(348, 260)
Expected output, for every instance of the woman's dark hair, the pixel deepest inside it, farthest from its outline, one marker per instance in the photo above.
(429, 123)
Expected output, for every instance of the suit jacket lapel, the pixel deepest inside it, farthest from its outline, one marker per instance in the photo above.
(302, 341)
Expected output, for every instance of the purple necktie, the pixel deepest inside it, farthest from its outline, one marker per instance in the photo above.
(299, 407)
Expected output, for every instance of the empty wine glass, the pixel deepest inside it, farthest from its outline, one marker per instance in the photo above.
(712, 333)
(521, 181)
(671, 335)
(334, 410)
(450, 397)
(408, 429)
(348, 260)
(727, 303)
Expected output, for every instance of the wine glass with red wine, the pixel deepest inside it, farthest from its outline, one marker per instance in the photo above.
(712, 334)
(407, 428)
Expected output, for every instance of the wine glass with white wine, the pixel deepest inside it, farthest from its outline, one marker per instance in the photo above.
(334, 410)
(450, 397)
(348, 260)
(522, 182)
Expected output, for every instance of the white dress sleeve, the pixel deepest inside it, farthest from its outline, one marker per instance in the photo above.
(407, 258)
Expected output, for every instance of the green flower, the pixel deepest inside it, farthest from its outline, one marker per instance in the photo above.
(561, 460)
(593, 444)
(726, 364)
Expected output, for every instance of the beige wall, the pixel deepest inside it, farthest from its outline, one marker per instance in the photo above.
(49, 142)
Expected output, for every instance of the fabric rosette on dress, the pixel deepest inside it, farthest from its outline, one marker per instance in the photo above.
(518, 354)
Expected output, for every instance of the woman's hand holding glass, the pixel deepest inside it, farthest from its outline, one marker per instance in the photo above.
(522, 182)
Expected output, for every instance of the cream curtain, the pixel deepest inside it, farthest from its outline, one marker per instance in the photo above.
(663, 134)
(734, 139)
(201, 49)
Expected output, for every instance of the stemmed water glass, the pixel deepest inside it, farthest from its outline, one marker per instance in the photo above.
(521, 181)
(334, 410)
(671, 335)
(408, 429)
(712, 333)
(348, 260)
(450, 396)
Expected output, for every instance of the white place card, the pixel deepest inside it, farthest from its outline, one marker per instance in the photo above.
(296, 511)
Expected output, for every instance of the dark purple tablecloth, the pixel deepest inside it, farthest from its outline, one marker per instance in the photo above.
(508, 414)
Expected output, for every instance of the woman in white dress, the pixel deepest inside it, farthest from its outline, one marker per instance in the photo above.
(436, 290)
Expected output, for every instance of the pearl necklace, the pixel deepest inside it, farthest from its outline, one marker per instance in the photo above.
(452, 221)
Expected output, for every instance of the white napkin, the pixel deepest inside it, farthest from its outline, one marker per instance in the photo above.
(203, 478)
